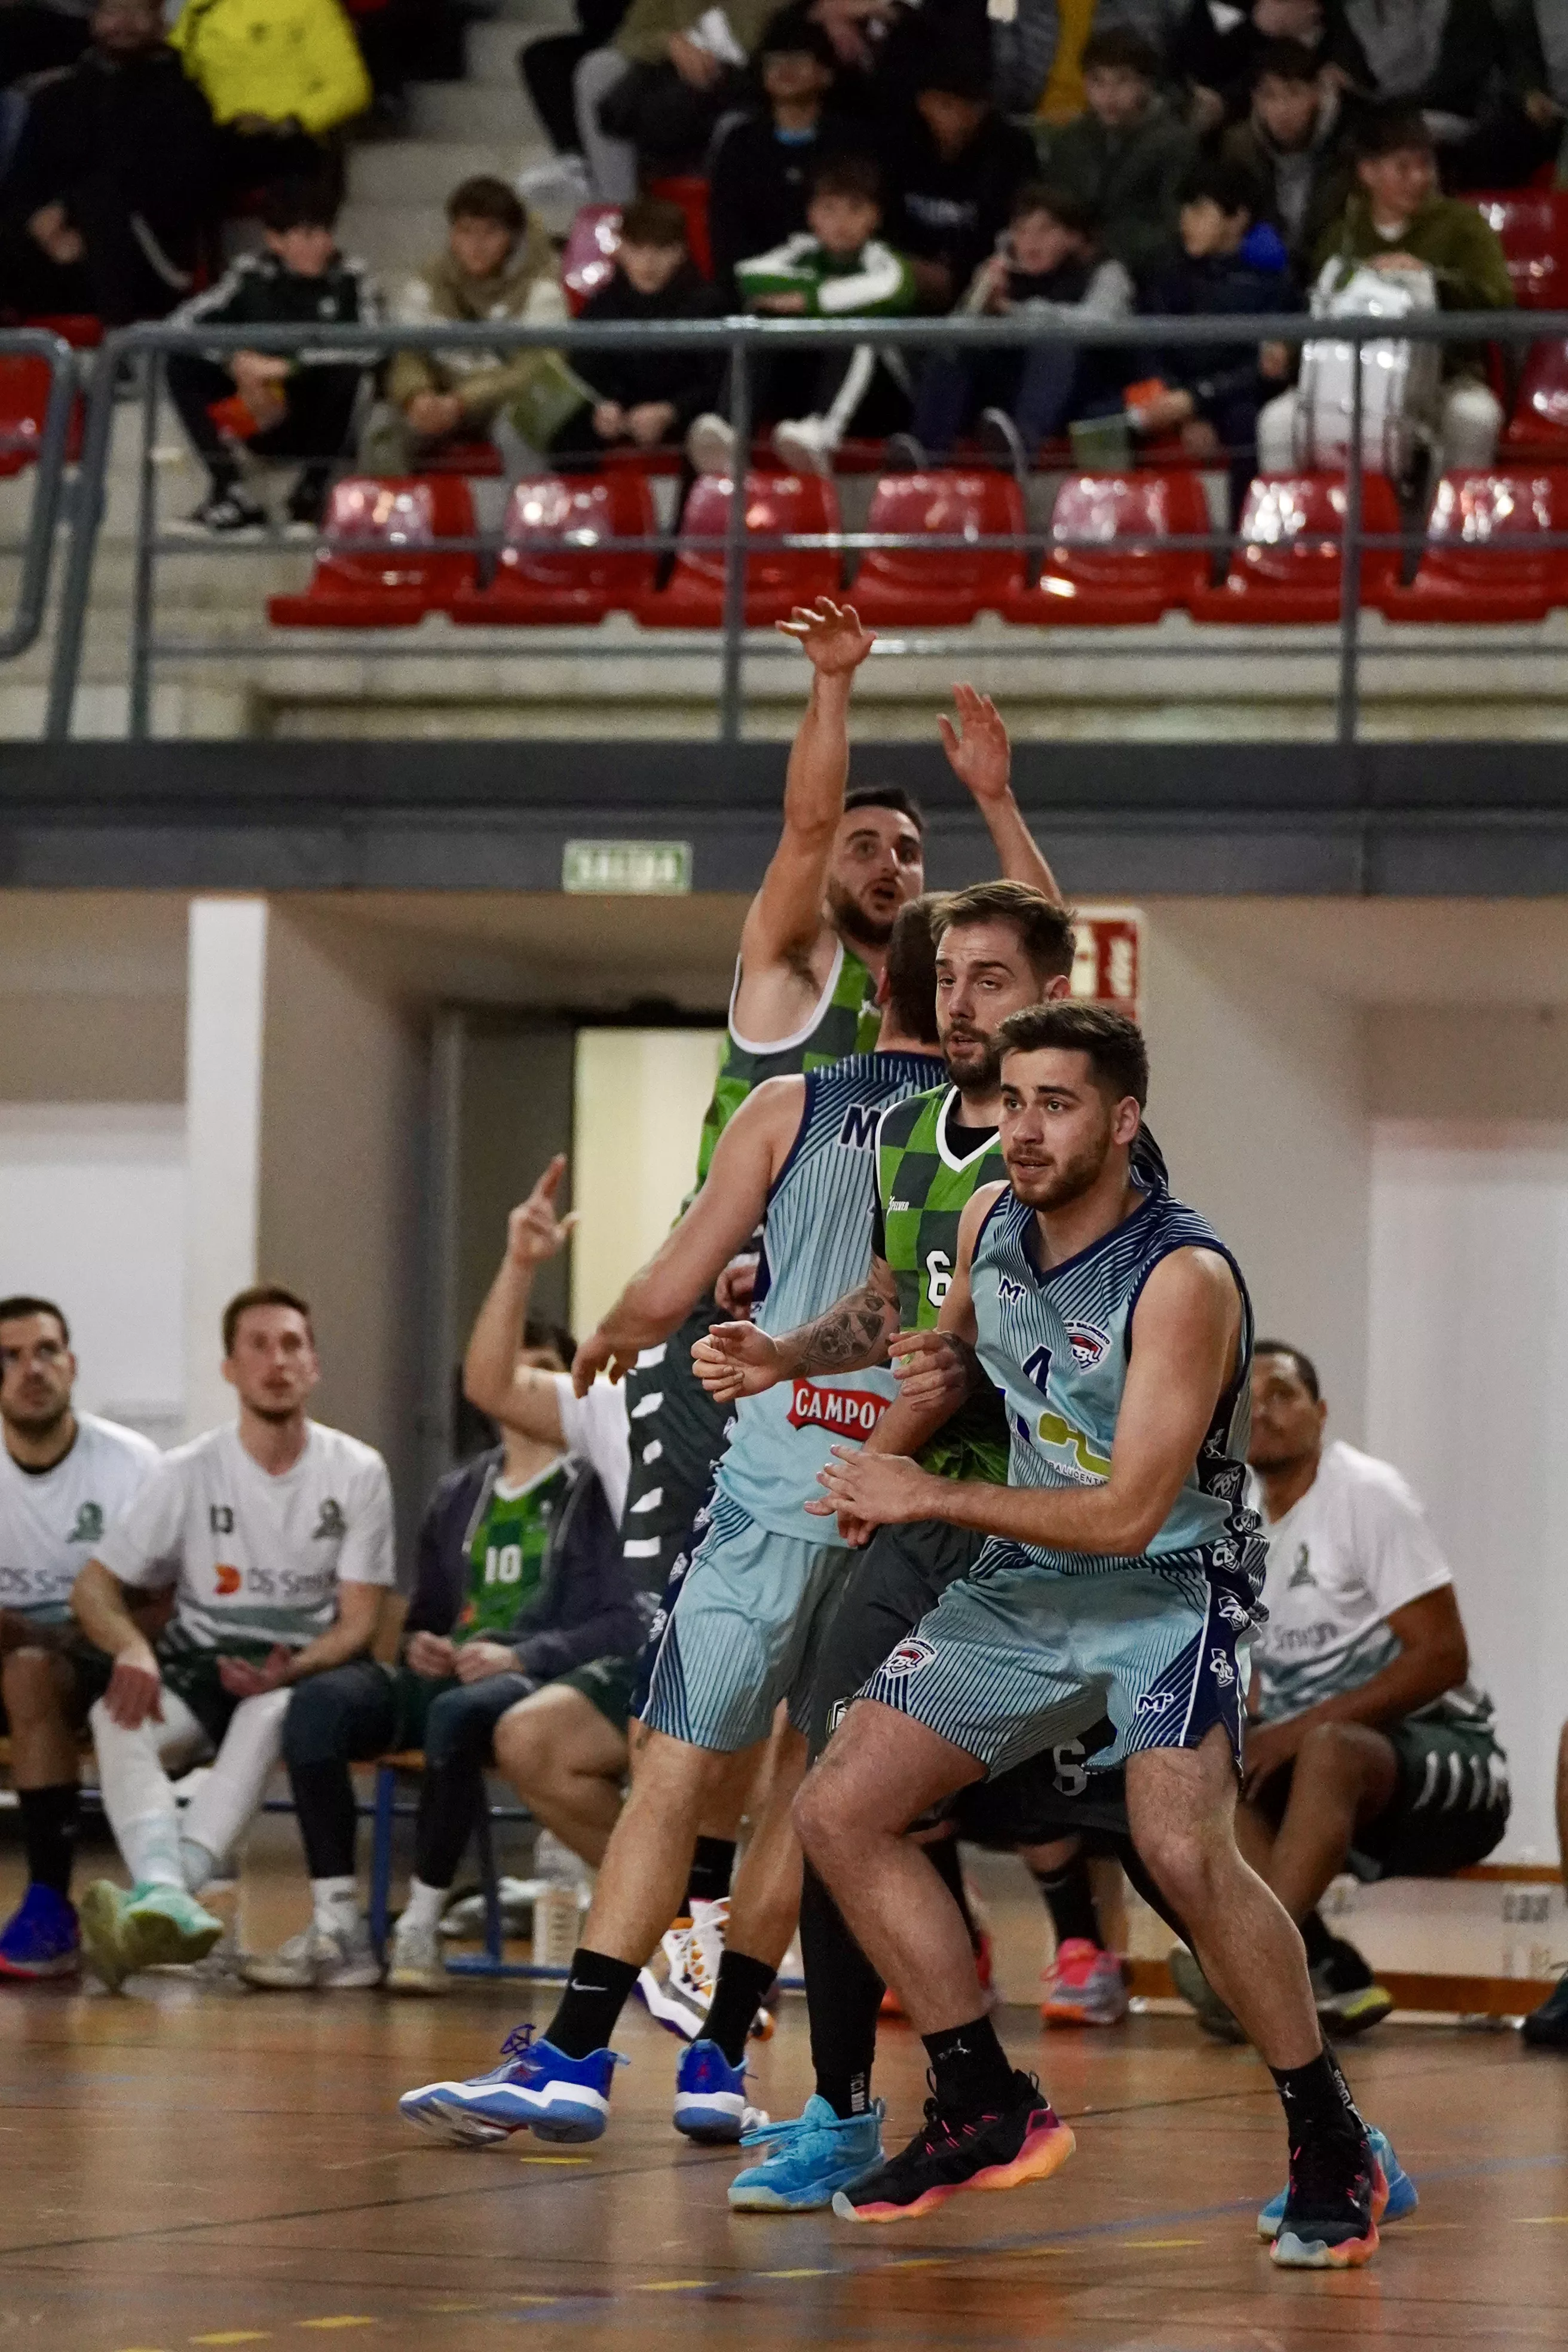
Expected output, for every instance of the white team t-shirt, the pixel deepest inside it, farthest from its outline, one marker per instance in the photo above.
(1356, 1547)
(596, 1425)
(51, 1521)
(255, 1558)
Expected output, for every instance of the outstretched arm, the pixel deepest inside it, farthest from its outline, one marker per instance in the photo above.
(736, 1359)
(727, 1211)
(980, 754)
(520, 1396)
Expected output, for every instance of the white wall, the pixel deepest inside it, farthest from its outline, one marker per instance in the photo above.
(640, 1096)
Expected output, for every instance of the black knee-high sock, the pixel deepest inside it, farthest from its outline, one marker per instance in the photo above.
(597, 1989)
(946, 1860)
(49, 1833)
(329, 1825)
(739, 1994)
(1317, 2098)
(1069, 1898)
(843, 1995)
(712, 1863)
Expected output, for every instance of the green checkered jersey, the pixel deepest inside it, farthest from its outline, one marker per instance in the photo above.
(922, 1190)
(845, 1021)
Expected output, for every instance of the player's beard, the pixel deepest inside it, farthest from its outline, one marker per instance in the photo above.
(978, 1067)
(45, 1422)
(1057, 1183)
(275, 1414)
(861, 929)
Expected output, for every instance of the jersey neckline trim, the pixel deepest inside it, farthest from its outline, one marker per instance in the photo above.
(948, 1157)
(1079, 1257)
(801, 1036)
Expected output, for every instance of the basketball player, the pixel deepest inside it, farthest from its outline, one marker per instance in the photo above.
(277, 1536)
(1124, 1563)
(63, 1475)
(749, 1615)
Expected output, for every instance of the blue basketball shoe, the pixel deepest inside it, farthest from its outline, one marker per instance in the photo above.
(815, 2154)
(42, 1937)
(535, 2088)
(1402, 2194)
(710, 2096)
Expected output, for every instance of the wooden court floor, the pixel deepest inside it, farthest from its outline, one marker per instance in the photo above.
(185, 2167)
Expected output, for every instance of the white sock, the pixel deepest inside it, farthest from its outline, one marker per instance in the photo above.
(196, 1864)
(335, 1904)
(151, 1844)
(425, 1905)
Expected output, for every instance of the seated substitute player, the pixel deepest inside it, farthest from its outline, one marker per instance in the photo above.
(1368, 1749)
(1125, 1564)
(63, 1475)
(751, 1608)
(277, 1536)
(520, 1579)
(1546, 2028)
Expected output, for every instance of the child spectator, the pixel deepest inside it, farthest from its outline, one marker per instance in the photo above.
(957, 165)
(1295, 147)
(279, 76)
(1229, 269)
(1127, 156)
(646, 397)
(497, 264)
(1216, 48)
(762, 168)
(300, 404)
(1037, 54)
(651, 100)
(110, 184)
(1046, 266)
(838, 267)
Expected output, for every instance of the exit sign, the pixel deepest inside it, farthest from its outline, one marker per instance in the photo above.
(630, 869)
(1106, 968)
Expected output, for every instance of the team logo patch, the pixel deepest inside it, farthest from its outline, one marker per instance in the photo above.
(1221, 1669)
(1088, 1345)
(835, 1715)
(1008, 1290)
(1232, 1610)
(331, 1525)
(910, 1656)
(227, 1580)
(854, 1412)
(88, 1524)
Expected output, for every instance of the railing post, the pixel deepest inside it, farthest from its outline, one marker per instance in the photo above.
(139, 712)
(735, 545)
(1347, 711)
(37, 555)
(86, 515)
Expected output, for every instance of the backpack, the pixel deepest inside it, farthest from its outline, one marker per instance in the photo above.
(1400, 380)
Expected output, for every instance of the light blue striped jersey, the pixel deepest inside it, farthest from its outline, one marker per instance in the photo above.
(1056, 1344)
(816, 1244)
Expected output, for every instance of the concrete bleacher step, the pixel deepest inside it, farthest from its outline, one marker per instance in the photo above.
(392, 239)
(492, 48)
(425, 171)
(466, 110)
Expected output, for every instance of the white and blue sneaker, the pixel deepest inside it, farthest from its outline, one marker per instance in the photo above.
(815, 2154)
(1402, 2195)
(710, 2096)
(535, 2088)
(42, 1937)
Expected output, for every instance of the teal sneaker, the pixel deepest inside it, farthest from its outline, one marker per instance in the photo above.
(99, 1912)
(162, 1926)
(1402, 2194)
(816, 2154)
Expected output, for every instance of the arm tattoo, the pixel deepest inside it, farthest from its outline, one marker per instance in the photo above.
(853, 1332)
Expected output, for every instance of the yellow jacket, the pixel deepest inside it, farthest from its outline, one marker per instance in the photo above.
(274, 58)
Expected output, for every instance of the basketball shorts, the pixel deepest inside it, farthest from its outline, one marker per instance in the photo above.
(1450, 1808)
(607, 1684)
(88, 1669)
(744, 1633)
(677, 1433)
(1016, 1659)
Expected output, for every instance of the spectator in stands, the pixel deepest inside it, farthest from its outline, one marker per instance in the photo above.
(1037, 55)
(112, 182)
(275, 1535)
(761, 166)
(1546, 2028)
(1127, 156)
(1230, 267)
(1397, 219)
(646, 397)
(63, 1475)
(549, 67)
(839, 268)
(956, 165)
(1535, 39)
(1441, 59)
(41, 35)
(520, 1580)
(279, 76)
(1295, 146)
(300, 404)
(1216, 50)
(650, 101)
(1046, 265)
(497, 264)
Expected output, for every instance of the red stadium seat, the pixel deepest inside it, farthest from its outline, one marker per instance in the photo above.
(477, 460)
(941, 587)
(1479, 564)
(685, 189)
(777, 580)
(554, 566)
(1106, 583)
(404, 576)
(588, 261)
(1288, 567)
(1540, 420)
(24, 400)
(1531, 225)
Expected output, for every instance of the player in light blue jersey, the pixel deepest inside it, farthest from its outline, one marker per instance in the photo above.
(743, 1632)
(1123, 1566)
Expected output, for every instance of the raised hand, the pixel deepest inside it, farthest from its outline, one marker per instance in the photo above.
(735, 1361)
(829, 635)
(533, 1231)
(980, 754)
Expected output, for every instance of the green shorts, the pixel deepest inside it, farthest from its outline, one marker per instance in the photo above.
(1450, 1808)
(89, 1671)
(606, 1684)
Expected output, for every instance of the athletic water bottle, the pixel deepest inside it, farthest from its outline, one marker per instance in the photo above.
(558, 1905)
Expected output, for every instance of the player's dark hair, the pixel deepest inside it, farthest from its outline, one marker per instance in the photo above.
(1306, 1371)
(485, 198)
(910, 967)
(653, 220)
(1390, 132)
(857, 177)
(16, 1310)
(1114, 1045)
(891, 796)
(1044, 925)
(261, 1294)
(1122, 49)
(1217, 180)
(1284, 61)
(308, 203)
(1075, 214)
(539, 1333)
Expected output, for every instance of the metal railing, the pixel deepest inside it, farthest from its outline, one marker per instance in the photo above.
(739, 341)
(36, 546)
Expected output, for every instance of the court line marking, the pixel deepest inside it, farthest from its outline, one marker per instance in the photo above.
(236, 2336)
